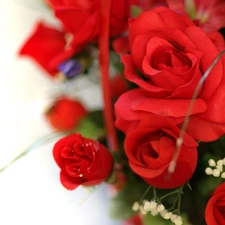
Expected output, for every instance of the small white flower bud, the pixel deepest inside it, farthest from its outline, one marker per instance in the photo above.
(224, 161)
(154, 213)
(160, 208)
(173, 217)
(212, 162)
(147, 206)
(178, 220)
(152, 205)
(136, 206)
(223, 175)
(163, 213)
(208, 171)
(219, 167)
(142, 211)
(220, 162)
(167, 215)
(216, 173)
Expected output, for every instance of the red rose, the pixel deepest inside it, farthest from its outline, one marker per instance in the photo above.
(82, 18)
(169, 55)
(82, 161)
(150, 148)
(208, 14)
(44, 44)
(65, 113)
(215, 209)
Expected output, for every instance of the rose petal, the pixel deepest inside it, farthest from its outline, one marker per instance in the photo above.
(167, 107)
(205, 130)
(131, 74)
(69, 182)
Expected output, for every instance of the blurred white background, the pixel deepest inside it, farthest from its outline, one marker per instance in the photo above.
(30, 191)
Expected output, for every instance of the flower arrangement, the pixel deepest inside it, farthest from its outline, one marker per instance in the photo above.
(158, 139)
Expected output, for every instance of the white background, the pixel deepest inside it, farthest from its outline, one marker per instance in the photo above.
(30, 191)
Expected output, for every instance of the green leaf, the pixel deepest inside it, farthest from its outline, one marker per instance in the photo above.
(120, 209)
(121, 205)
(149, 219)
(91, 126)
(158, 220)
(135, 11)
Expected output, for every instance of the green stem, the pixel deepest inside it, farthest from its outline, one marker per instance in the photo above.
(167, 195)
(179, 200)
(155, 194)
(145, 193)
(42, 141)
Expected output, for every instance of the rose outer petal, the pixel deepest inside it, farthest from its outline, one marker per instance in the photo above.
(167, 107)
(69, 182)
(211, 132)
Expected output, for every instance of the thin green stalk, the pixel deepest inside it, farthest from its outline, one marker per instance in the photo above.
(40, 142)
(167, 195)
(179, 200)
(145, 193)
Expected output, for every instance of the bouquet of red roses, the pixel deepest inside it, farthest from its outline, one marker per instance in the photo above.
(158, 139)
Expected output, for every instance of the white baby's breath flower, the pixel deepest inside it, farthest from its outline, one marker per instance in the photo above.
(154, 212)
(152, 205)
(220, 167)
(163, 213)
(160, 207)
(209, 171)
(147, 205)
(136, 206)
(220, 162)
(224, 161)
(178, 220)
(142, 210)
(223, 175)
(173, 217)
(167, 215)
(212, 162)
(216, 172)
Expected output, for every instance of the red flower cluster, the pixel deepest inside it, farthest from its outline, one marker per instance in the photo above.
(168, 58)
(81, 26)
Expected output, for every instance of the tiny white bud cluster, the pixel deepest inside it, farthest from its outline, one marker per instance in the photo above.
(157, 209)
(216, 169)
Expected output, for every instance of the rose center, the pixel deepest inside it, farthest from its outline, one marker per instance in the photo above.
(170, 58)
(79, 159)
(146, 152)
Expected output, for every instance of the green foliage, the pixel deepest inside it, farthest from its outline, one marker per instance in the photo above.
(136, 11)
(91, 126)
(121, 204)
(158, 220)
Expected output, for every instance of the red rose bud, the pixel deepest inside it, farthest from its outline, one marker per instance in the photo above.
(215, 209)
(65, 113)
(150, 148)
(82, 161)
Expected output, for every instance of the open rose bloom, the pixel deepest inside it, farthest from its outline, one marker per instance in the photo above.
(215, 210)
(161, 68)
